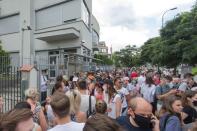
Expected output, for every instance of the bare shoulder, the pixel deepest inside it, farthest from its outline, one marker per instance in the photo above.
(81, 114)
(81, 117)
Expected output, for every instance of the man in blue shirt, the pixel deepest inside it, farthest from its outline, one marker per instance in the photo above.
(139, 116)
(162, 92)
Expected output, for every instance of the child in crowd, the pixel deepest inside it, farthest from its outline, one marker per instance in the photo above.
(99, 93)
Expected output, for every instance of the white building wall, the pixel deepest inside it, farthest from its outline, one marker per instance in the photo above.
(41, 45)
(43, 3)
(10, 7)
(58, 14)
(11, 42)
(46, 16)
(95, 25)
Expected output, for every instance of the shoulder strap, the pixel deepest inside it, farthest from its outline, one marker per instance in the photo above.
(165, 121)
(90, 105)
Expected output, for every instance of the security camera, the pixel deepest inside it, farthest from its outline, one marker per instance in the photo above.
(29, 28)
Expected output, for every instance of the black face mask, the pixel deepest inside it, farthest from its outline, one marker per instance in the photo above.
(143, 122)
(195, 103)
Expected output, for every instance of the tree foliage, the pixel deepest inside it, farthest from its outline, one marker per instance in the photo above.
(4, 60)
(2, 52)
(127, 57)
(103, 59)
(176, 44)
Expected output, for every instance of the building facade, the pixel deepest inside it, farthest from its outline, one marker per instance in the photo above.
(102, 48)
(54, 34)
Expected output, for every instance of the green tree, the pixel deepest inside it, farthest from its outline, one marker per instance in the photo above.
(151, 51)
(103, 59)
(127, 57)
(176, 44)
(2, 52)
(4, 60)
(116, 59)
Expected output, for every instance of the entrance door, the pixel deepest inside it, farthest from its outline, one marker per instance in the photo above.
(53, 65)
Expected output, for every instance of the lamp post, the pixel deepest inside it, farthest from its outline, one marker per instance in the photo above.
(165, 13)
(163, 23)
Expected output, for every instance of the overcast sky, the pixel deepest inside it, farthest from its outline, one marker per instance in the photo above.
(133, 22)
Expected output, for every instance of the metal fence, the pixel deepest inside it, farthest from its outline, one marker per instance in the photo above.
(10, 83)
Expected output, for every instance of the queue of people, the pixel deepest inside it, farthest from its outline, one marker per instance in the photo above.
(123, 100)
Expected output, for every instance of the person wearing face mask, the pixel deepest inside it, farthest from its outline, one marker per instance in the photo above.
(185, 82)
(194, 99)
(189, 112)
(169, 81)
(122, 92)
(139, 116)
(128, 85)
(176, 82)
(162, 92)
(172, 119)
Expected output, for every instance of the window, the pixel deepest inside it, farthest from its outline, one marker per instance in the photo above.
(85, 14)
(84, 59)
(53, 52)
(57, 14)
(66, 62)
(9, 24)
(48, 17)
(70, 50)
(84, 51)
(88, 53)
(103, 50)
(70, 10)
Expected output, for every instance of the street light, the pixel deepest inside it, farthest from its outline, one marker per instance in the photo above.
(163, 23)
(165, 13)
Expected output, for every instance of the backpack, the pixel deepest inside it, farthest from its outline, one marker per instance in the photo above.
(165, 122)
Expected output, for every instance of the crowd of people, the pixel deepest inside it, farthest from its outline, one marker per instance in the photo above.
(132, 99)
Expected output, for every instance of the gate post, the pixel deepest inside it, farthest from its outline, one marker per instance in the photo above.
(29, 78)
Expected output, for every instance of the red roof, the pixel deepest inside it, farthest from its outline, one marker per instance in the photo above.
(26, 68)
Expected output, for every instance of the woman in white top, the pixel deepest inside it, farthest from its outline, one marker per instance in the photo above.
(114, 101)
(75, 100)
(148, 91)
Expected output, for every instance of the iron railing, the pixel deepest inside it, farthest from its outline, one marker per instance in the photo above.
(10, 86)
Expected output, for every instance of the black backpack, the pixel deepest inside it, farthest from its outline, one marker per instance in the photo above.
(165, 122)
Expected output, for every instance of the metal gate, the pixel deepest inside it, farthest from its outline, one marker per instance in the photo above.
(10, 84)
